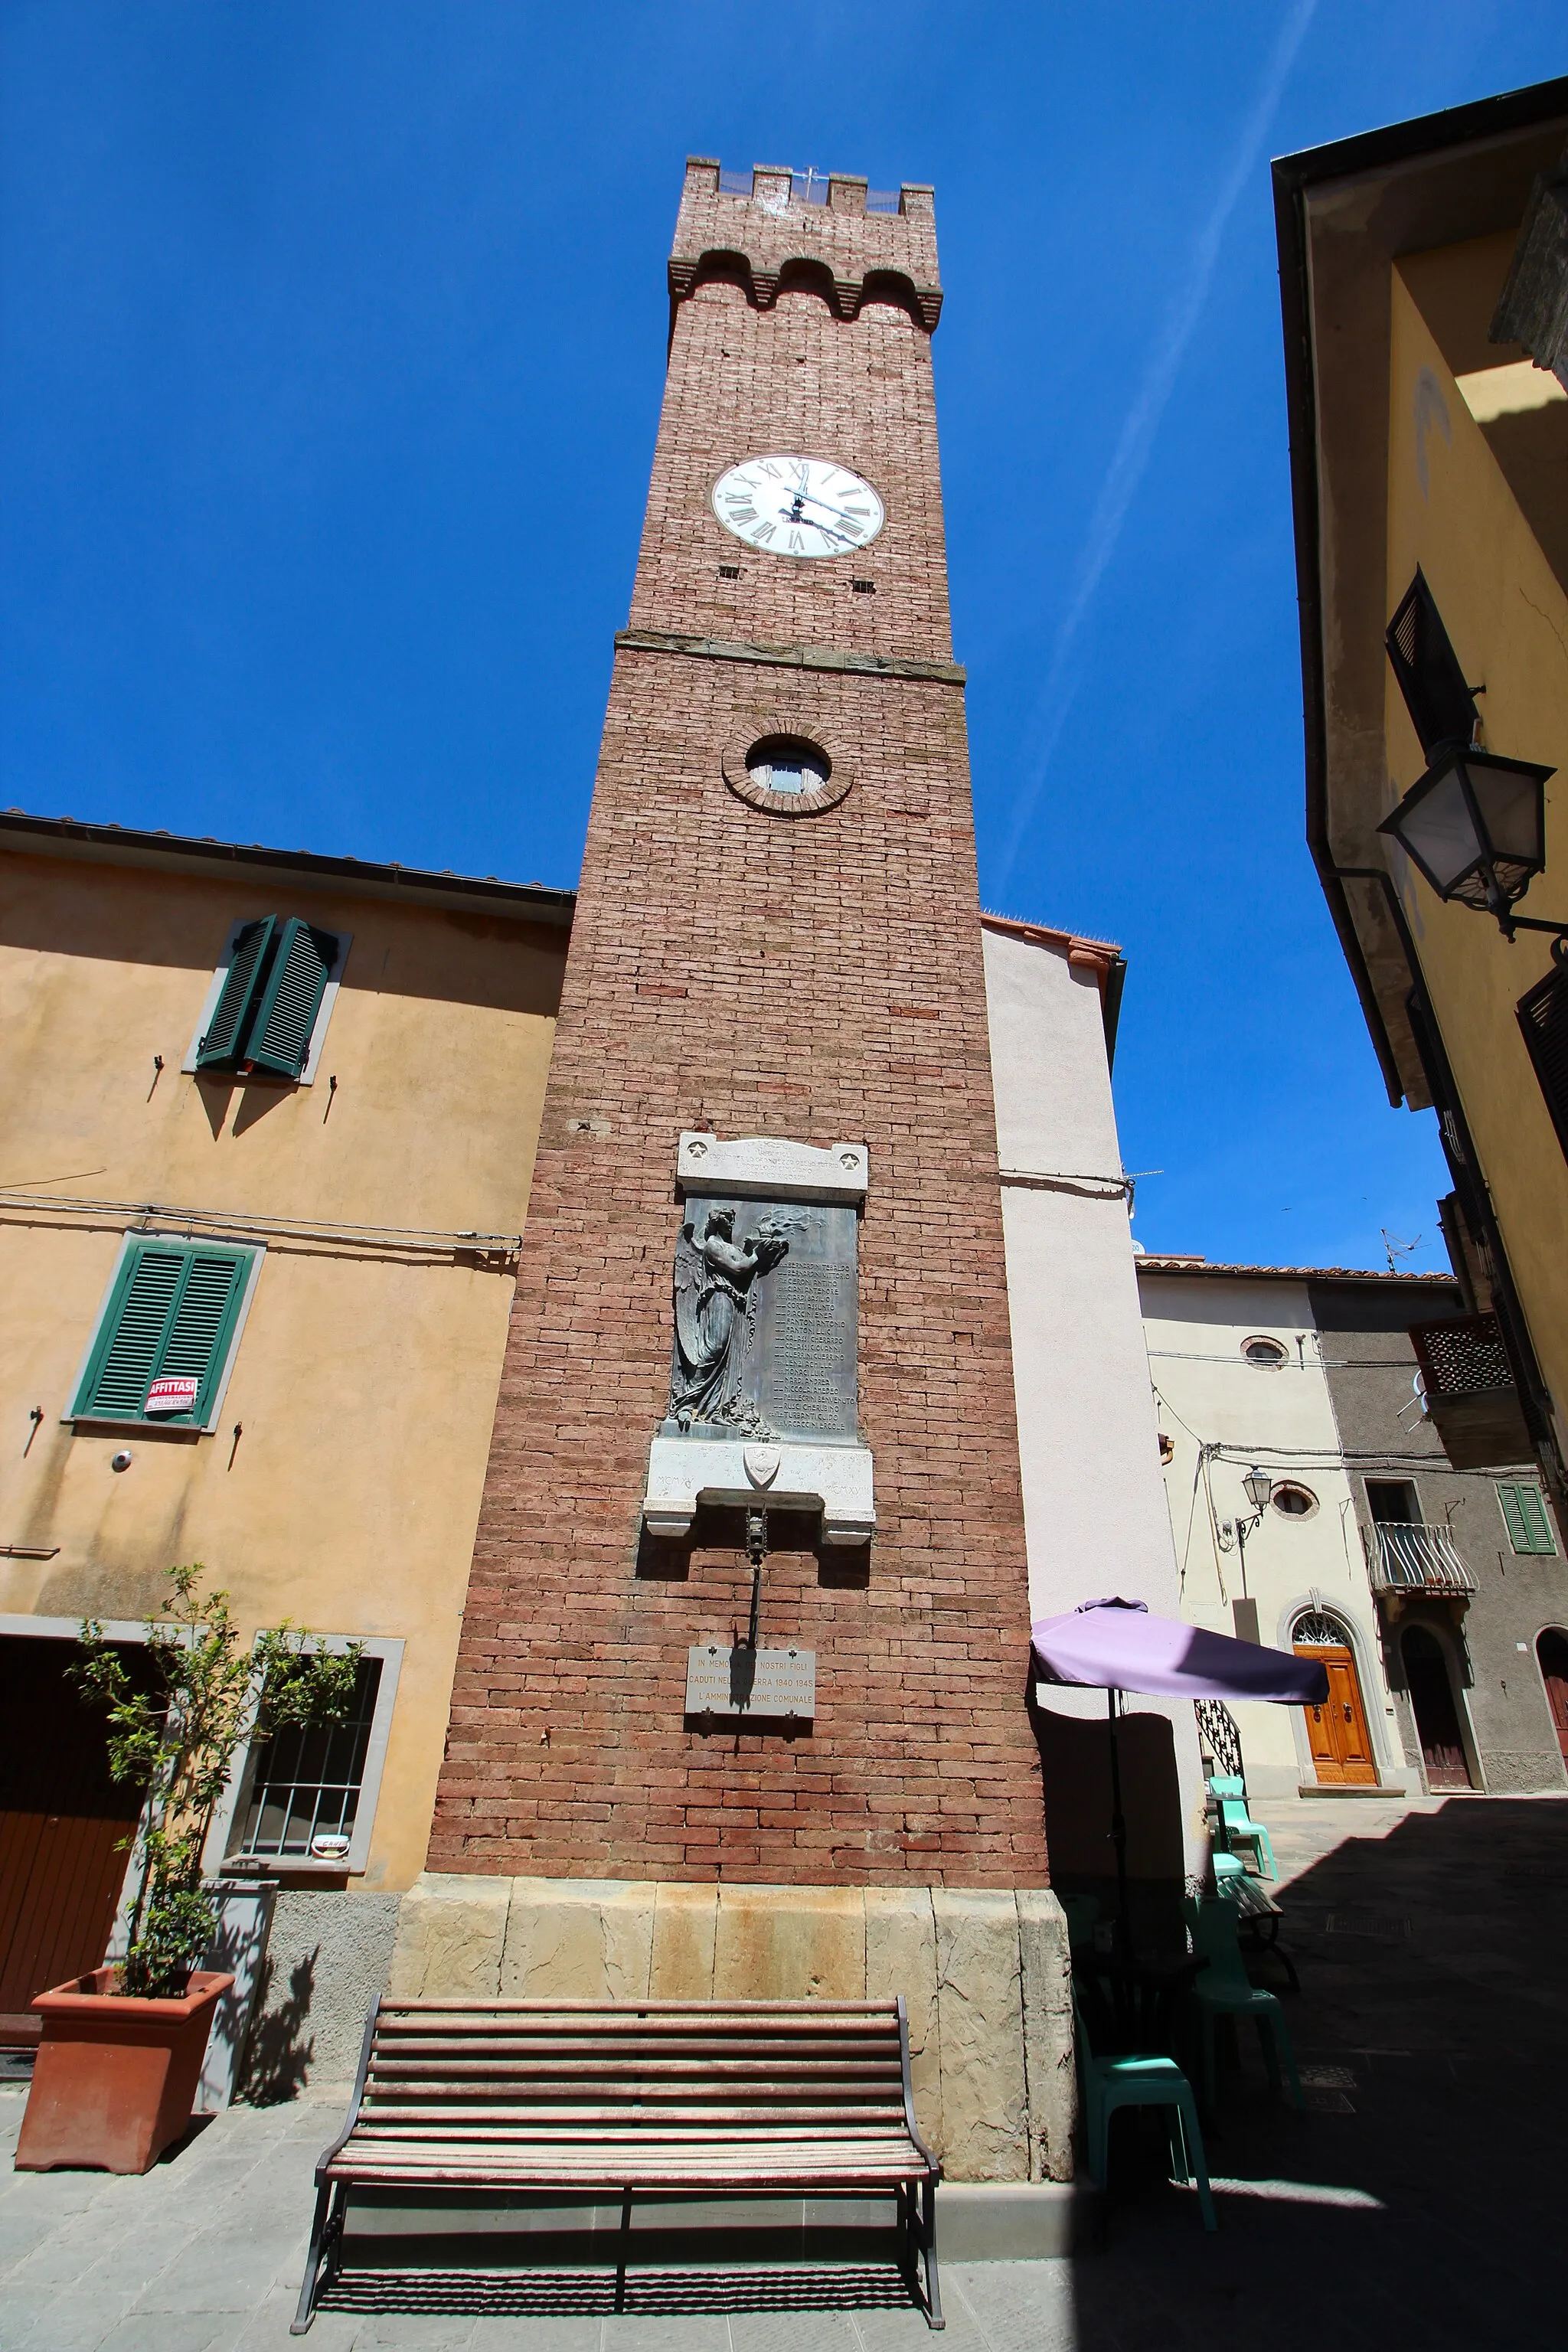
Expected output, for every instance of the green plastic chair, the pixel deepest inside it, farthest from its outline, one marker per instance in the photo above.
(1224, 1990)
(1227, 1869)
(1228, 1790)
(1107, 2084)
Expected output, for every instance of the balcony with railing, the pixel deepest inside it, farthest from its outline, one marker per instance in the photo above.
(1470, 1397)
(1410, 1558)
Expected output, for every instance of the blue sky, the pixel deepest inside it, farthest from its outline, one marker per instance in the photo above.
(331, 343)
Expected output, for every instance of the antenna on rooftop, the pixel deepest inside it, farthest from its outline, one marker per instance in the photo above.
(1395, 1249)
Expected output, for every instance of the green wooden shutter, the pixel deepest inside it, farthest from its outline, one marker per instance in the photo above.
(197, 1341)
(130, 1337)
(172, 1315)
(1536, 1519)
(220, 1045)
(291, 1000)
(1524, 1515)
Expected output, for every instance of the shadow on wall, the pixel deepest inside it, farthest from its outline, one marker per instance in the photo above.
(280, 2052)
(1074, 1763)
(326, 1967)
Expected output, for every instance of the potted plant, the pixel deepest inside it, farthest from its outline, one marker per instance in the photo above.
(122, 2046)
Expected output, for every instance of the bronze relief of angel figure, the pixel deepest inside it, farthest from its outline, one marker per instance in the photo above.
(714, 1276)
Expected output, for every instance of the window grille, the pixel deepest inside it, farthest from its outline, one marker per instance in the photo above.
(1442, 707)
(306, 1784)
(1461, 1355)
(1316, 1630)
(1543, 1017)
(1220, 1735)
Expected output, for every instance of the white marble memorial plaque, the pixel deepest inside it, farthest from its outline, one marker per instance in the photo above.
(773, 1682)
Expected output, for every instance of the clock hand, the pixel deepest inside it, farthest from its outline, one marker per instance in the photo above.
(811, 499)
(794, 516)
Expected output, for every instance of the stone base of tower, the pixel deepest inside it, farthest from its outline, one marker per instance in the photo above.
(985, 1973)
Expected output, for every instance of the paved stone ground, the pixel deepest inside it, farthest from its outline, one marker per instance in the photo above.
(1416, 2205)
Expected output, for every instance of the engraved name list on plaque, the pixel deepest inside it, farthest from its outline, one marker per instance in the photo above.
(763, 1392)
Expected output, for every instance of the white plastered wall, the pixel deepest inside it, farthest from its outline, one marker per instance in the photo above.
(1094, 1506)
(1196, 1326)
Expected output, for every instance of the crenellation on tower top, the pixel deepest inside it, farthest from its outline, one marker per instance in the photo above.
(756, 225)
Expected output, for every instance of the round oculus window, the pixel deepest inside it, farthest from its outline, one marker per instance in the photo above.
(1266, 1353)
(782, 763)
(785, 774)
(1293, 1500)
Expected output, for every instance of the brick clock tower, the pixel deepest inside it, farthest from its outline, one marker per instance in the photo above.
(740, 1705)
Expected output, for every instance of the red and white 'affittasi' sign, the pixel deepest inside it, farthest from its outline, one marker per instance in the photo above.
(172, 1395)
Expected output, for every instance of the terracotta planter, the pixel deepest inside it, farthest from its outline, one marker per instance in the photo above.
(115, 2077)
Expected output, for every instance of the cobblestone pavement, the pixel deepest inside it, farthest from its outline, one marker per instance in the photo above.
(1414, 2208)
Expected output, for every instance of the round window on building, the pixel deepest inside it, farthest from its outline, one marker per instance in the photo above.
(787, 763)
(1266, 1353)
(1293, 1500)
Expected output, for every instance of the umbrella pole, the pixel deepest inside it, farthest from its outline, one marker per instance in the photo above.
(1119, 1824)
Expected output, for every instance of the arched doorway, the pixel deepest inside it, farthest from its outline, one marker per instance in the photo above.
(1337, 1732)
(1552, 1653)
(1436, 1714)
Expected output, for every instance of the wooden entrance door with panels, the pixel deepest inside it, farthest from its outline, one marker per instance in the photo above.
(1337, 1732)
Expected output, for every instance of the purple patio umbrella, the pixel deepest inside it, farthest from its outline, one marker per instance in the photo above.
(1116, 1646)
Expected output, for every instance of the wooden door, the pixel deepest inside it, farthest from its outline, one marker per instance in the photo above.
(1340, 1742)
(1437, 1716)
(62, 1823)
(1551, 1650)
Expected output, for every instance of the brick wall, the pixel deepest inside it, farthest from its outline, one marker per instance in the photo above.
(818, 978)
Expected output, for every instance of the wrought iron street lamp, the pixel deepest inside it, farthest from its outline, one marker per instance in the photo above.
(1475, 824)
(1259, 1485)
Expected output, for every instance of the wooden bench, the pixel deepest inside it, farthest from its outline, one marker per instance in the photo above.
(703, 2097)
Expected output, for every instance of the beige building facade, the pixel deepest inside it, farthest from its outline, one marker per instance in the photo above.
(257, 1299)
(1422, 266)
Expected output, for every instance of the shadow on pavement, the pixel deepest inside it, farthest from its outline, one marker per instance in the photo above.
(543, 2293)
(1417, 2202)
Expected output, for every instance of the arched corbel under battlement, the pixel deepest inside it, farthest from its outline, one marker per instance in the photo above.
(804, 274)
(801, 273)
(923, 306)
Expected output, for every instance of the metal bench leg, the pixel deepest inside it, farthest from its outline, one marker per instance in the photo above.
(928, 2248)
(307, 2311)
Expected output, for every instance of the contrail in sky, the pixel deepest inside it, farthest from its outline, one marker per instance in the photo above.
(1141, 423)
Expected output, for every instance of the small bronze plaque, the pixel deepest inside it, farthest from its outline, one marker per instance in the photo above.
(777, 1684)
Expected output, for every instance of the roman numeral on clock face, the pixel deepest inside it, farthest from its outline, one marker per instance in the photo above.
(797, 506)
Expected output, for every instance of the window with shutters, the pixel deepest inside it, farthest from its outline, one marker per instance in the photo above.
(1442, 707)
(1523, 1508)
(166, 1333)
(270, 1001)
(1543, 1017)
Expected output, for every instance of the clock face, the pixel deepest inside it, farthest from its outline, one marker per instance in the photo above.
(797, 506)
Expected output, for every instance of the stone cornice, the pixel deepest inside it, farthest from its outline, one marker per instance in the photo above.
(736, 649)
